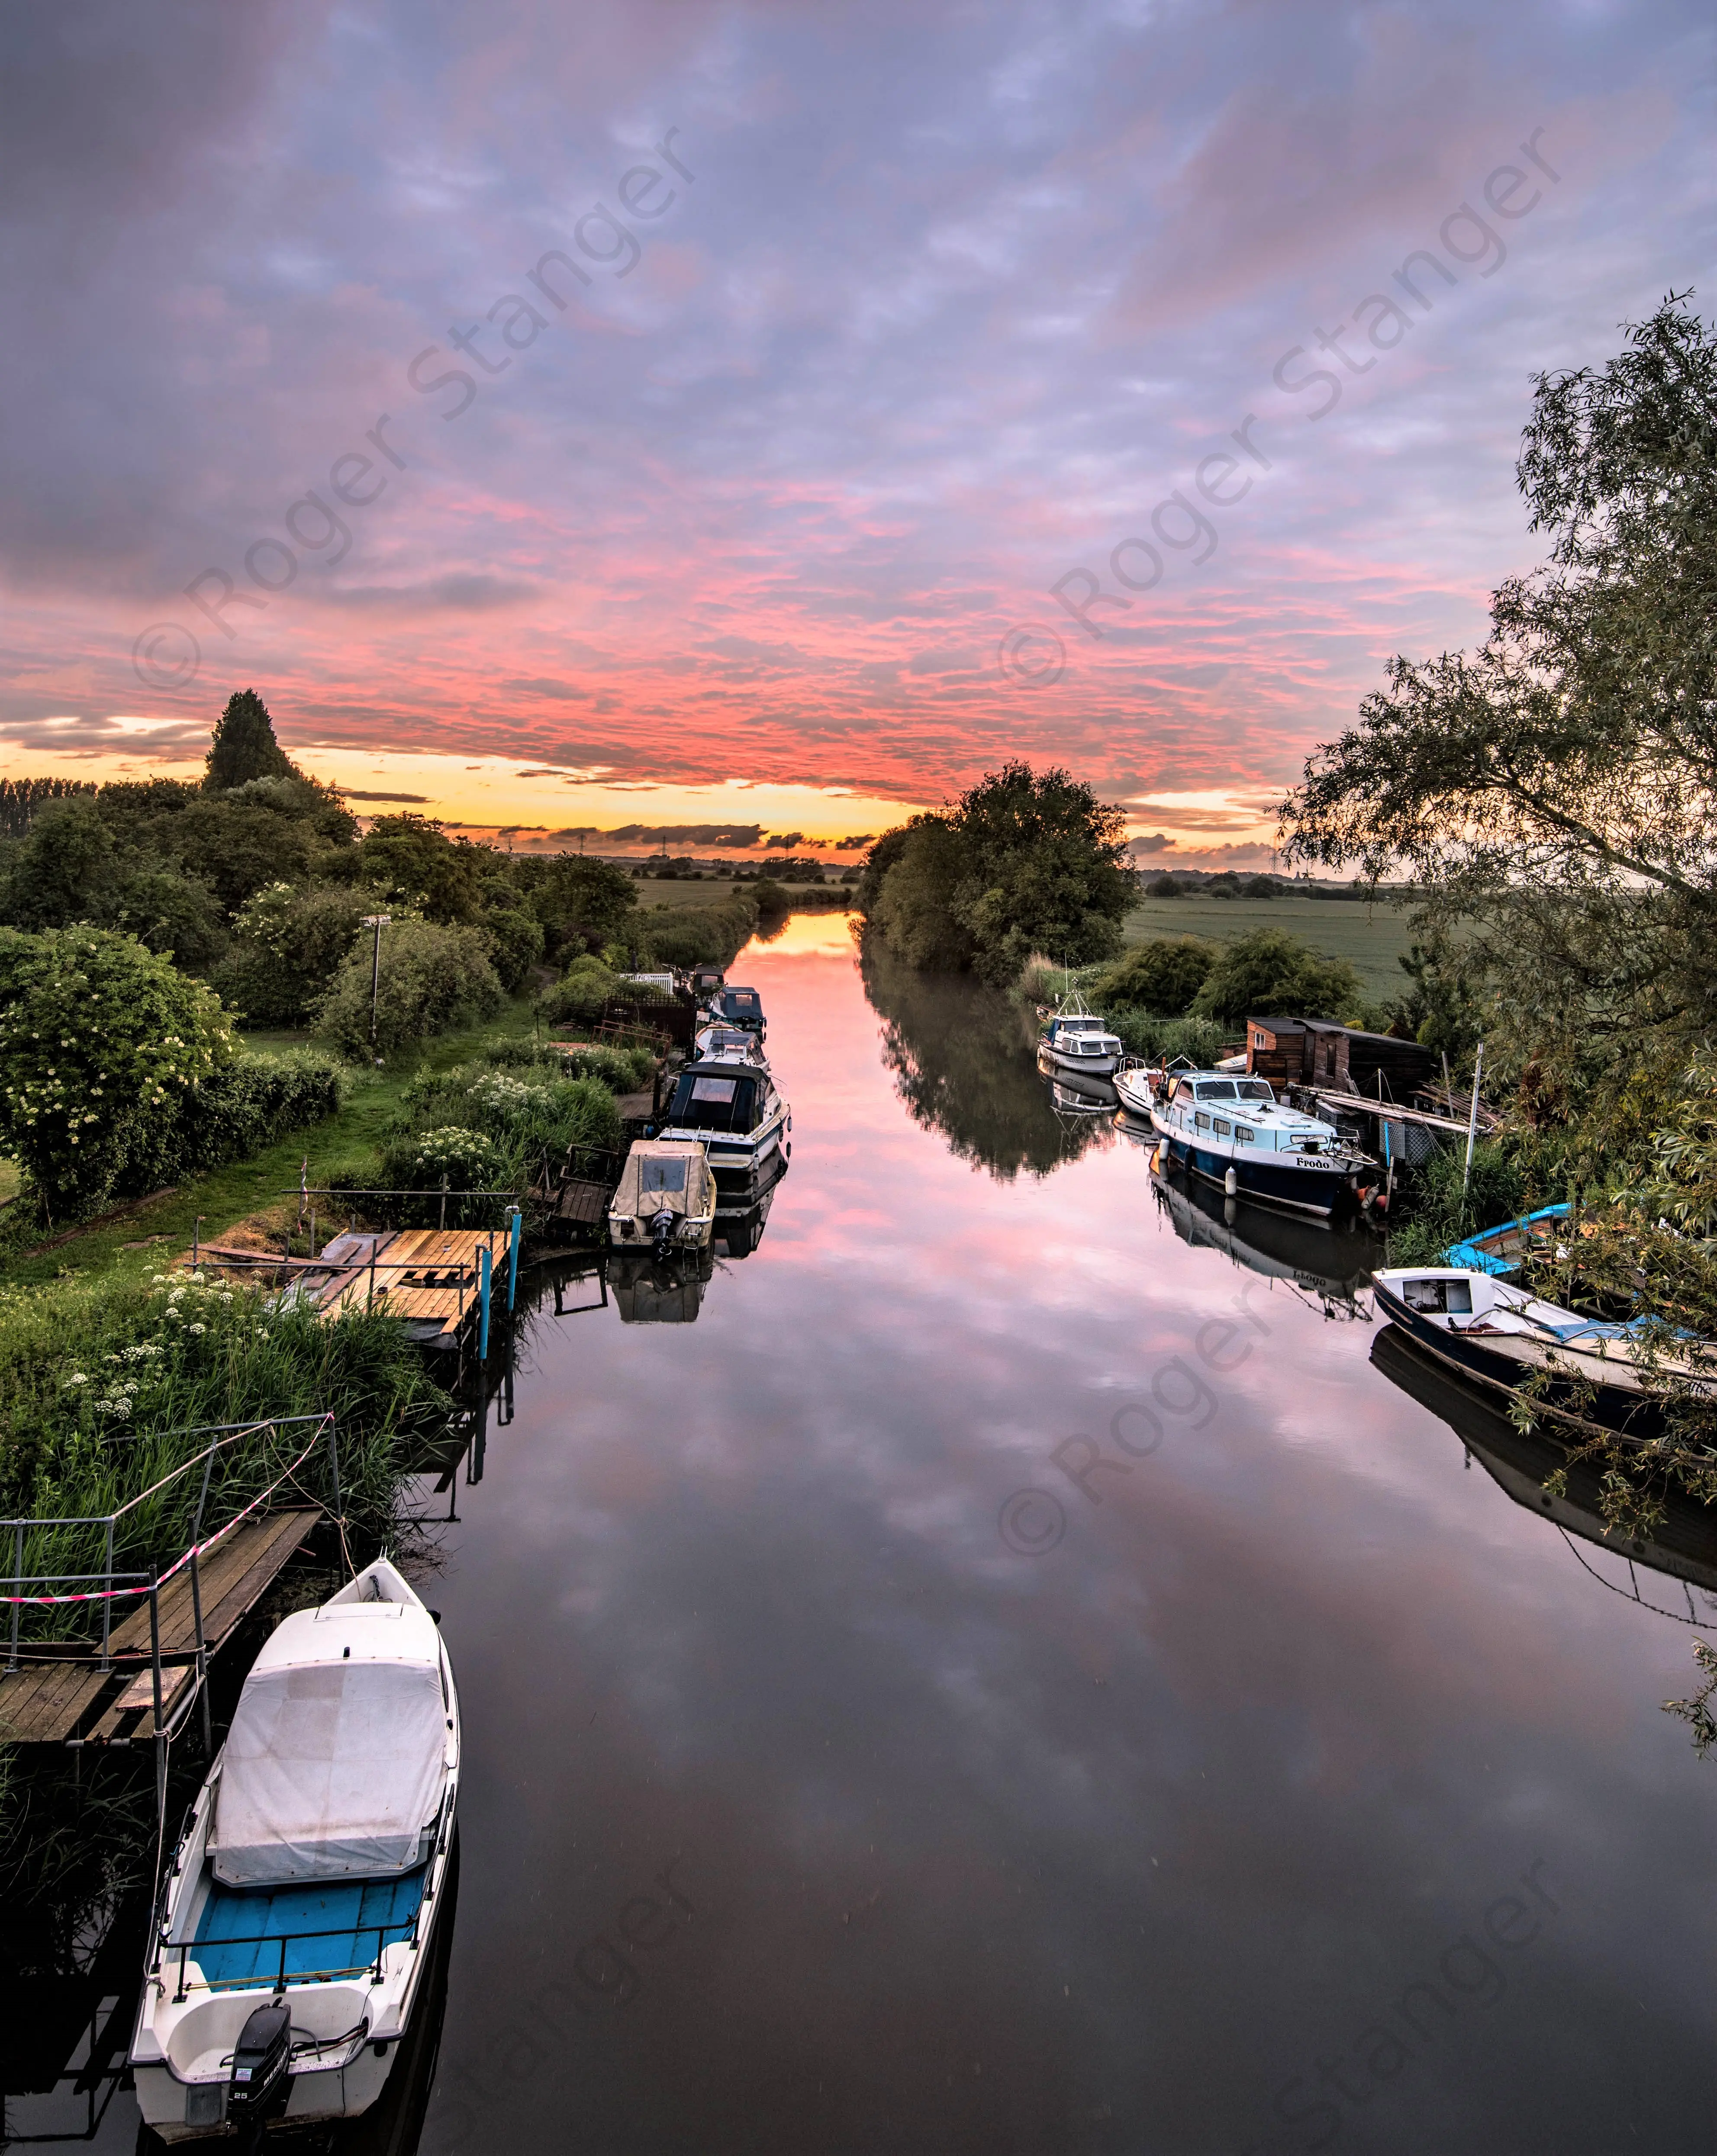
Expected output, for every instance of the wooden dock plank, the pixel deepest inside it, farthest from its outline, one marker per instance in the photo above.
(133, 1714)
(44, 1703)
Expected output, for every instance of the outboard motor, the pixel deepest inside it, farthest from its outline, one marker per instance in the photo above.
(262, 2061)
(661, 1228)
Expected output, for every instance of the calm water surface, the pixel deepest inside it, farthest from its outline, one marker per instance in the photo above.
(1010, 1677)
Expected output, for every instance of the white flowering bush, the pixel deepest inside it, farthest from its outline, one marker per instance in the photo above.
(100, 1042)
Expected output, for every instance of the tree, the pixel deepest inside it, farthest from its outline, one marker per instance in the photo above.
(1556, 786)
(432, 977)
(413, 857)
(1025, 862)
(100, 1041)
(1270, 973)
(243, 746)
(1162, 975)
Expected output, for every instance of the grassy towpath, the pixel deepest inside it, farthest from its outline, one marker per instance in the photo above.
(137, 1239)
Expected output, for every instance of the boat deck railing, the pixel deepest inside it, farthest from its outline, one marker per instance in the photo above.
(405, 1933)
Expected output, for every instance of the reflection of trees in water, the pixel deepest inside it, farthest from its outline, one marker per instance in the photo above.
(964, 1062)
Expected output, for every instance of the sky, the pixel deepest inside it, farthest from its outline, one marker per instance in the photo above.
(671, 414)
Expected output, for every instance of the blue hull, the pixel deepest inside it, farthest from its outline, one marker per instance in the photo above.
(1318, 1191)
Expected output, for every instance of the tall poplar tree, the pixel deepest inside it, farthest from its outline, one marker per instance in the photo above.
(244, 746)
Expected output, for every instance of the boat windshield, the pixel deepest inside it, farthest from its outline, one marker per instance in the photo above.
(660, 1172)
(1252, 1089)
(741, 1003)
(1219, 1089)
(705, 1102)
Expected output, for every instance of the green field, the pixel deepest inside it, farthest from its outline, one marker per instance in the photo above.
(1368, 937)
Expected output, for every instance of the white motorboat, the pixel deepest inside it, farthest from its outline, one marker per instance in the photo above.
(290, 1938)
(726, 1103)
(719, 1040)
(1076, 1038)
(1232, 1130)
(665, 1199)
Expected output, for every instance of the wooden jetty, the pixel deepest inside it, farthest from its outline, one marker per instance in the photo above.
(63, 1693)
(432, 1279)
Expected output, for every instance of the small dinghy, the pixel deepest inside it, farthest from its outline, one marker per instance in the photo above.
(665, 1200)
(1500, 1249)
(290, 1940)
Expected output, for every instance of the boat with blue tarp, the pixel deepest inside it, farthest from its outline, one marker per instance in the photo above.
(289, 1937)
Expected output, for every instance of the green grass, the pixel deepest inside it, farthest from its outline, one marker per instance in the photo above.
(162, 1227)
(1368, 937)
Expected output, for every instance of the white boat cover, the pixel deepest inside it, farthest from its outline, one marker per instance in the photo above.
(333, 1770)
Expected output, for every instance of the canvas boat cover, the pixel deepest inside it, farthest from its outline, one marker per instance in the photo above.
(333, 1770)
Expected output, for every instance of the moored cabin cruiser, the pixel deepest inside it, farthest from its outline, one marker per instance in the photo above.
(738, 1006)
(729, 1106)
(1075, 1039)
(715, 1042)
(1232, 1130)
(290, 1940)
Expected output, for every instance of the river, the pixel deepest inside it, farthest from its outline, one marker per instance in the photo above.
(1016, 1675)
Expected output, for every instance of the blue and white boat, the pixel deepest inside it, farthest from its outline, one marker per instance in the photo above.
(1232, 1130)
(289, 1948)
(1075, 1039)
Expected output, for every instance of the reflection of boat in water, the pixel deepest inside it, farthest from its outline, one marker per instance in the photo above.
(651, 1291)
(1683, 1545)
(742, 1216)
(1333, 1264)
(1077, 1093)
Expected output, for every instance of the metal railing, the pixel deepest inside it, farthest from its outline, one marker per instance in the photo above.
(405, 1933)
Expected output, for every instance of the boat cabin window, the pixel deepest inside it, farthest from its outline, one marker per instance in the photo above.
(1437, 1296)
(703, 1101)
(1219, 1089)
(1201, 1123)
(1252, 1089)
(1225, 1129)
(1242, 1135)
(665, 1175)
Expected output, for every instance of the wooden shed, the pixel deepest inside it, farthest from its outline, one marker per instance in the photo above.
(1316, 1051)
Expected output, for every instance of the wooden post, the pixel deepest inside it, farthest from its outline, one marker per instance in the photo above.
(1473, 1120)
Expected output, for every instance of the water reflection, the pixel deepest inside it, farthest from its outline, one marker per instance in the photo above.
(1331, 1264)
(1683, 1545)
(964, 1063)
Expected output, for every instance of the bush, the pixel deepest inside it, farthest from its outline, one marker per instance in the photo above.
(486, 1129)
(621, 1070)
(1162, 975)
(704, 935)
(100, 1042)
(1161, 1040)
(1439, 1216)
(516, 940)
(583, 993)
(287, 947)
(241, 1108)
(1269, 972)
(1162, 886)
(432, 978)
